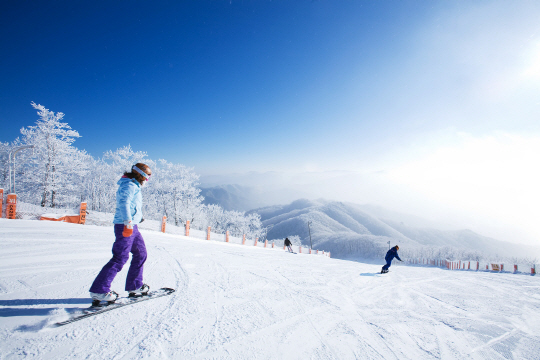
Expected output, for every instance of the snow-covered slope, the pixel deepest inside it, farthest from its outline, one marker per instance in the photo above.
(245, 302)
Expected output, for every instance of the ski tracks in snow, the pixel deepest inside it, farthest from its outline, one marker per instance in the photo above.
(152, 340)
(245, 302)
(309, 316)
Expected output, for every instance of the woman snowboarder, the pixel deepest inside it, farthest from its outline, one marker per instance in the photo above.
(128, 239)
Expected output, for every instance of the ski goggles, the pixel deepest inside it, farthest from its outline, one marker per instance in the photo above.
(145, 175)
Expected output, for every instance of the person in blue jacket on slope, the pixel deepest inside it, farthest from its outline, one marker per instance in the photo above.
(128, 238)
(390, 255)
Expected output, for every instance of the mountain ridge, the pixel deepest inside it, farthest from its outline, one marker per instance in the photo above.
(334, 224)
(366, 226)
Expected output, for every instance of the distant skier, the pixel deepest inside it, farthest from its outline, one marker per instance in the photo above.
(390, 255)
(128, 238)
(288, 244)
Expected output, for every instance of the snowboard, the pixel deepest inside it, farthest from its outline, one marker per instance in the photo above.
(120, 302)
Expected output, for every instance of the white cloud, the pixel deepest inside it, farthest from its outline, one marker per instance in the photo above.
(489, 180)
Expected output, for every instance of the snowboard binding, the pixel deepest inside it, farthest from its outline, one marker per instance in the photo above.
(140, 292)
(109, 298)
(98, 303)
(133, 295)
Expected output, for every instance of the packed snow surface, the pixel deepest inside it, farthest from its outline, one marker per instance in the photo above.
(246, 302)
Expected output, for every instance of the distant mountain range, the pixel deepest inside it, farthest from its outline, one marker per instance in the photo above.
(352, 230)
(349, 229)
(231, 197)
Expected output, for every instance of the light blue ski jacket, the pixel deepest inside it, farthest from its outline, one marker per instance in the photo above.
(128, 201)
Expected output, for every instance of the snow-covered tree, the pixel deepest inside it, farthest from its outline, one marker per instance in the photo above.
(124, 158)
(51, 175)
(175, 193)
(215, 218)
(100, 185)
(236, 222)
(4, 165)
(249, 224)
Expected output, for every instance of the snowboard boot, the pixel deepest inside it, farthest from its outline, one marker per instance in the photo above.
(143, 290)
(109, 297)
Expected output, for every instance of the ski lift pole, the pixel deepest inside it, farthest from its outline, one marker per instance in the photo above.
(309, 230)
(12, 154)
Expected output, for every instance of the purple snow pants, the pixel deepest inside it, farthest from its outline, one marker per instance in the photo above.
(121, 249)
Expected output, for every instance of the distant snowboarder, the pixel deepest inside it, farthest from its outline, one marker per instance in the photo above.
(128, 239)
(390, 255)
(288, 244)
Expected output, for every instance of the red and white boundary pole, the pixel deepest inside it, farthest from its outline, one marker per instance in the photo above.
(163, 223)
(82, 213)
(11, 210)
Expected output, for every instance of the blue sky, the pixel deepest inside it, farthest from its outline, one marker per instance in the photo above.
(181, 79)
(379, 89)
